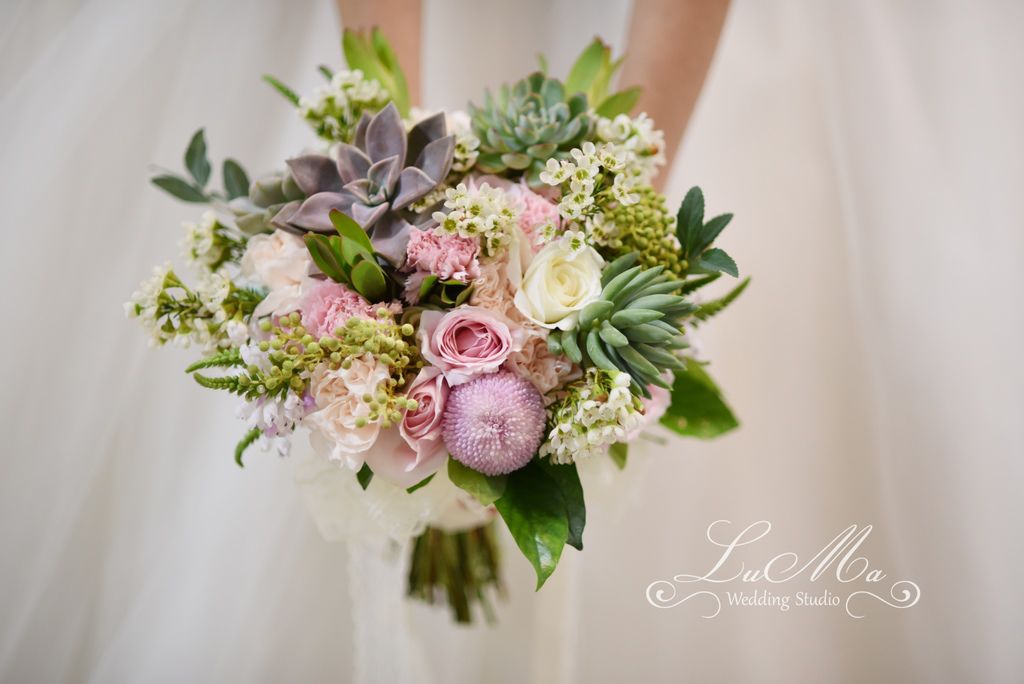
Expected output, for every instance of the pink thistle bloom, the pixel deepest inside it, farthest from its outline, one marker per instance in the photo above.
(495, 423)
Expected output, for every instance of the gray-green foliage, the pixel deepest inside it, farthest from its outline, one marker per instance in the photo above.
(193, 187)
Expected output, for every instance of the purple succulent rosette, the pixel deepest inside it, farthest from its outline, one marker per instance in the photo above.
(374, 180)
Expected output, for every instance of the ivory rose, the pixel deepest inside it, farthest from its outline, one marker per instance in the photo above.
(279, 261)
(338, 395)
(467, 341)
(559, 282)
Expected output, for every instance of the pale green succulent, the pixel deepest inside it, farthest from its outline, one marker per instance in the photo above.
(527, 124)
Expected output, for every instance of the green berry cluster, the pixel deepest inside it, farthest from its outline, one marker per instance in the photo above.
(647, 228)
(294, 353)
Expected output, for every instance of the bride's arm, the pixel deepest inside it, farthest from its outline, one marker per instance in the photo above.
(402, 20)
(671, 43)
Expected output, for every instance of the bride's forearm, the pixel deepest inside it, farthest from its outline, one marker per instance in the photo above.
(401, 21)
(670, 46)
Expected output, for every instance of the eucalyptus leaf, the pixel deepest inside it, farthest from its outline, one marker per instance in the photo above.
(534, 512)
(697, 408)
(484, 488)
(196, 161)
(236, 181)
(180, 188)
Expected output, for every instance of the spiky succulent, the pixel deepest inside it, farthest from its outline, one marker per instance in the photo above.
(527, 124)
(374, 180)
(633, 327)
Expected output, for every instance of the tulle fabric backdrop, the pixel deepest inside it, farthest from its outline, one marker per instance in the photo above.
(872, 154)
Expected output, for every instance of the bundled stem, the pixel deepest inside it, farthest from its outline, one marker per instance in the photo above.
(462, 568)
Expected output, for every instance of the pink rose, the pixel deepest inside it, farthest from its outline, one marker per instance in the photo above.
(468, 341)
(392, 459)
(421, 427)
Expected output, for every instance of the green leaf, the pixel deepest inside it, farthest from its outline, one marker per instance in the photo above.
(236, 182)
(621, 102)
(364, 476)
(697, 408)
(694, 284)
(422, 483)
(180, 188)
(368, 279)
(287, 92)
(710, 230)
(586, 68)
(717, 260)
(715, 306)
(690, 219)
(246, 441)
(222, 359)
(323, 256)
(534, 511)
(484, 488)
(350, 230)
(196, 162)
(325, 71)
(542, 62)
(427, 285)
(619, 452)
(568, 480)
(399, 90)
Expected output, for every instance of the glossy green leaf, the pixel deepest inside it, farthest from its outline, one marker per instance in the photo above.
(236, 181)
(484, 488)
(710, 231)
(350, 230)
(368, 279)
(697, 408)
(568, 480)
(619, 452)
(534, 512)
(422, 483)
(427, 285)
(621, 102)
(180, 188)
(325, 259)
(364, 476)
(196, 162)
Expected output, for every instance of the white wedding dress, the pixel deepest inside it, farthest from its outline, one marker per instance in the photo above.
(871, 154)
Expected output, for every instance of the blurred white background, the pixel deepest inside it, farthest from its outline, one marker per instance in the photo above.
(873, 153)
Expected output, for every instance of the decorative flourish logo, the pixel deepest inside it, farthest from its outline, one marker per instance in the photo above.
(838, 559)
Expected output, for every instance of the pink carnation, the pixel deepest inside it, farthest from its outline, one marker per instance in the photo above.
(327, 305)
(534, 213)
(449, 257)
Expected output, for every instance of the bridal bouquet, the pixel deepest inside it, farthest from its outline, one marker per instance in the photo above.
(458, 307)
